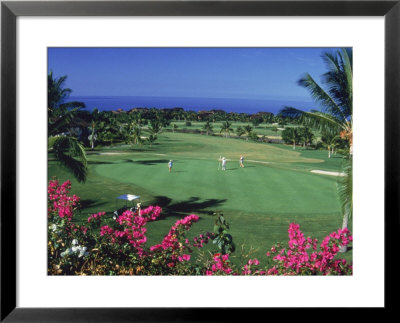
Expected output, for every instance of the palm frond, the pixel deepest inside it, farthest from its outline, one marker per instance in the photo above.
(313, 119)
(331, 61)
(320, 96)
(60, 120)
(65, 150)
(338, 79)
(347, 56)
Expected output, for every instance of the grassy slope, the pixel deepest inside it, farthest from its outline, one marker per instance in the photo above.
(259, 200)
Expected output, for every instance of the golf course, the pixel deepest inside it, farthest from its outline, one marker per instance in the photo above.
(200, 161)
(276, 187)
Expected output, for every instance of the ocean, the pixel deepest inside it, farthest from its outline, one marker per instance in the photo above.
(108, 103)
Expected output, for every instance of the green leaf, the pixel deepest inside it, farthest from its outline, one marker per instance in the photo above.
(228, 238)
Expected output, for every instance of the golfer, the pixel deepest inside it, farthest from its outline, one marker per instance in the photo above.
(241, 161)
(223, 163)
(170, 166)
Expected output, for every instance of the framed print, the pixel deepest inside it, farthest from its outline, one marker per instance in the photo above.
(176, 46)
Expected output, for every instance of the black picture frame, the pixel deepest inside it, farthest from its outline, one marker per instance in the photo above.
(10, 10)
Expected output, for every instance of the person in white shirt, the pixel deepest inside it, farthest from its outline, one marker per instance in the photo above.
(223, 163)
(241, 161)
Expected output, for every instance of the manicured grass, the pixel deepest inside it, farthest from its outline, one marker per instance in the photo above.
(262, 129)
(259, 201)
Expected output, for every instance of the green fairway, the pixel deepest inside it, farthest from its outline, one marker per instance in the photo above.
(275, 188)
(257, 188)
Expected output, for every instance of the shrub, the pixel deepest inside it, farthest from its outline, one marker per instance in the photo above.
(106, 246)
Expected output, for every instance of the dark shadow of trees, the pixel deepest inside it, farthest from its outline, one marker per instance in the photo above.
(183, 208)
(92, 162)
(147, 162)
(90, 203)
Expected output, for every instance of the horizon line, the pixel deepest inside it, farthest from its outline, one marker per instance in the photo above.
(196, 97)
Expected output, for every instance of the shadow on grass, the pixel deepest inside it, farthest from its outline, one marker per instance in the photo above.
(90, 203)
(141, 150)
(184, 208)
(92, 162)
(148, 162)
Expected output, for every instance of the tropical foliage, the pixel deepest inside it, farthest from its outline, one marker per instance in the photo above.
(335, 117)
(291, 135)
(226, 128)
(62, 117)
(208, 127)
(335, 99)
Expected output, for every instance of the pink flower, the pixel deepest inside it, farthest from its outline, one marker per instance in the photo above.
(84, 229)
(186, 257)
(106, 230)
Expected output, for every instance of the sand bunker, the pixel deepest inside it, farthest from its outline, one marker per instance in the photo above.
(323, 172)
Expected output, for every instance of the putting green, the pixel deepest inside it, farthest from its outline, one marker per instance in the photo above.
(257, 188)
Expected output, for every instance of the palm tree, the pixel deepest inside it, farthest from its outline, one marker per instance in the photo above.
(60, 115)
(65, 148)
(57, 95)
(95, 119)
(208, 127)
(126, 132)
(109, 128)
(137, 135)
(335, 116)
(329, 140)
(291, 135)
(345, 188)
(248, 130)
(151, 139)
(306, 135)
(226, 127)
(336, 101)
(155, 126)
(139, 120)
(240, 131)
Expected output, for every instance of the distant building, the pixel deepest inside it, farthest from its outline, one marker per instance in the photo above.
(118, 111)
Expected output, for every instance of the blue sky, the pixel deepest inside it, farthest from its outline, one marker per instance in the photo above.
(243, 73)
